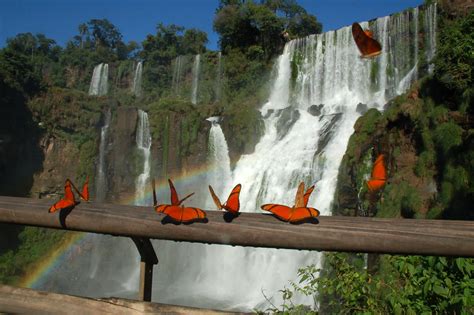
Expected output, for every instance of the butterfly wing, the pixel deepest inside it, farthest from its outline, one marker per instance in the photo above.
(216, 200)
(68, 200)
(181, 214)
(375, 184)
(68, 194)
(85, 190)
(379, 174)
(233, 204)
(379, 171)
(190, 214)
(61, 204)
(303, 213)
(368, 46)
(299, 199)
(280, 211)
(174, 194)
(307, 194)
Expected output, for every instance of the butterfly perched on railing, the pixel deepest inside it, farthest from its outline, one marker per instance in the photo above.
(232, 204)
(299, 212)
(69, 200)
(368, 46)
(176, 211)
(379, 175)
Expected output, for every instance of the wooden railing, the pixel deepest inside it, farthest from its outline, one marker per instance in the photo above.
(328, 233)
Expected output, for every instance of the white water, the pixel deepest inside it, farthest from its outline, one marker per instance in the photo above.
(101, 179)
(143, 139)
(177, 73)
(295, 146)
(218, 161)
(99, 82)
(137, 80)
(430, 29)
(196, 69)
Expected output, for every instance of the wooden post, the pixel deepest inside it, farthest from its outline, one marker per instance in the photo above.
(147, 260)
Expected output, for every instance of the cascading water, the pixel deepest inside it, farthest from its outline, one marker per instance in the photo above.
(218, 157)
(196, 70)
(430, 29)
(318, 83)
(137, 79)
(298, 145)
(177, 72)
(99, 82)
(143, 139)
(101, 179)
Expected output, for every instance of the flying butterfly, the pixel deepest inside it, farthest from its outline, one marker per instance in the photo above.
(368, 46)
(379, 175)
(299, 212)
(232, 204)
(176, 211)
(68, 202)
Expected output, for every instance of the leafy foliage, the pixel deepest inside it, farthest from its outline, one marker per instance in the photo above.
(404, 285)
(245, 25)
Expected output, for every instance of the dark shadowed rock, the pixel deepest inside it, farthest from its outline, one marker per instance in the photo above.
(327, 131)
(287, 119)
(120, 159)
(362, 108)
(315, 110)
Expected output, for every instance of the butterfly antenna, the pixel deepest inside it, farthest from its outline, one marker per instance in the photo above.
(155, 201)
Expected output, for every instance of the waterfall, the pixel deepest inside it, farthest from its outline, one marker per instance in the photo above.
(177, 72)
(298, 144)
(99, 82)
(101, 179)
(430, 30)
(218, 81)
(137, 80)
(143, 139)
(196, 68)
(219, 161)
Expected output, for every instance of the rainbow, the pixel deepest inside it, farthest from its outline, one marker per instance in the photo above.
(50, 261)
(37, 273)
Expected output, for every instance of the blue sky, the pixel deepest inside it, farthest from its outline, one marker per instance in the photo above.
(59, 19)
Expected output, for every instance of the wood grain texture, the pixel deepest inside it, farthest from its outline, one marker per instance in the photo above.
(348, 234)
(27, 301)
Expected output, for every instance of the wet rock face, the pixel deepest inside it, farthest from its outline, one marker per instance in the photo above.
(361, 108)
(287, 119)
(121, 157)
(60, 162)
(327, 131)
(315, 110)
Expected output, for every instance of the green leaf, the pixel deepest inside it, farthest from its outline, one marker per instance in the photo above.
(440, 290)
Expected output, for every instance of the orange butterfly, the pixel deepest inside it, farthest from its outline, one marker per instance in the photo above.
(232, 204)
(299, 212)
(175, 211)
(368, 46)
(68, 201)
(379, 175)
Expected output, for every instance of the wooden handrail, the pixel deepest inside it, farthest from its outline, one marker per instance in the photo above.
(348, 234)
